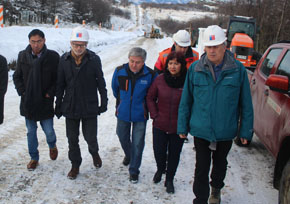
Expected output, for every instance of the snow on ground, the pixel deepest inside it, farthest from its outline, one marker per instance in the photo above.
(249, 173)
(179, 15)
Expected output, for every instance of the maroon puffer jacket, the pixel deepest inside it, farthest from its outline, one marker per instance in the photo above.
(163, 102)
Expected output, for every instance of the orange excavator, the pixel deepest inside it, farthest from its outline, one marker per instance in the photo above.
(241, 34)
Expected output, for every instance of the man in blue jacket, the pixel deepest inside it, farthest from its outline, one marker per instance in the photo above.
(216, 94)
(130, 84)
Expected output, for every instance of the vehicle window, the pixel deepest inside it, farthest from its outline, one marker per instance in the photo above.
(270, 61)
(284, 67)
(244, 27)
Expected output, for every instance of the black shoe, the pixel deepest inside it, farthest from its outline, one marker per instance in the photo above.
(133, 178)
(157, 176)
(126, 161)
(97, 161)
(169, 187)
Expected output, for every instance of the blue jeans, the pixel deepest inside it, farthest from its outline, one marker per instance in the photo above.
(133, 146)
(47, 127)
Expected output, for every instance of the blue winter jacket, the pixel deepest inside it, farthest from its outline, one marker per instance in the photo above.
(130, 90)
(211, 109)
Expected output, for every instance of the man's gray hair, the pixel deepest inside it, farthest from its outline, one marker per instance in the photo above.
(138, 52)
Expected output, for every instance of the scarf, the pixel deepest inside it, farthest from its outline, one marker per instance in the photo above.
(33, 101)
(175, 81)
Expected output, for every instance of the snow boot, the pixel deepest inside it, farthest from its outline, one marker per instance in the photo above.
(126, 161)
(215, 196)
(157, 176)
(97, 161)
(169, 186)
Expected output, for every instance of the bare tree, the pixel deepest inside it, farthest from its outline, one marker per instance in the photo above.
(281, 20)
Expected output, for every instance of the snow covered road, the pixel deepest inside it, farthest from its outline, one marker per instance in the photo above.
(248, 180)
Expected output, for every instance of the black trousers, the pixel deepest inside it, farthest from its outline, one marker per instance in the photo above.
(89, 129)
(202, 167)
(163, 142)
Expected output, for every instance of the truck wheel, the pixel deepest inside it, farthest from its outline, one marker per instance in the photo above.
(284, 190)
(239, 143)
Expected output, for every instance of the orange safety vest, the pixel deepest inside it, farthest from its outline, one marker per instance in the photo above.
(190, 57)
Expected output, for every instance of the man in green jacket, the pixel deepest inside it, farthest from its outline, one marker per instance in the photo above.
(216, 95)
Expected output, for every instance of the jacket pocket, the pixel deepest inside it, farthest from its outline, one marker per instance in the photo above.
(201, 91)
(123, 83)
(230, 89)
(92, 105)
(66, 104)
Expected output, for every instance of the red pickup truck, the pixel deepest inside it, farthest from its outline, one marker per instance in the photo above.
(271, 100)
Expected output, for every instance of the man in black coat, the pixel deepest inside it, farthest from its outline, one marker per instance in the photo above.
(80, 78)
(35, 81)
(3, 85)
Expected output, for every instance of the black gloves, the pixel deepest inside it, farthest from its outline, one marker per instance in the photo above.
(57, 111)
(102, 109)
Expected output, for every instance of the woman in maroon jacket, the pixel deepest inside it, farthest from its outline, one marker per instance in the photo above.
(163, 100)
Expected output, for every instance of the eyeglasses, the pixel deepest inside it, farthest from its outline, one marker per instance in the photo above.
(79, 45)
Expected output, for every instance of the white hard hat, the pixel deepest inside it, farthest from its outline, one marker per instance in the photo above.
(214, 35)
(182, 38)
(79, 34)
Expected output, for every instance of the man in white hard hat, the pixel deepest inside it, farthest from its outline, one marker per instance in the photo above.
(181, 43)
(80, 75)
(216, 94)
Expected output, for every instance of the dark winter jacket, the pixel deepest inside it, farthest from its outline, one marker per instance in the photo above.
(3, 84)
(34, 78)
(163, 100)
(130, 91)
(211, 109)
(78, 87)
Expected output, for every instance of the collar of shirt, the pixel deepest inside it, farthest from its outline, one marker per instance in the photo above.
(217, 69)
(38, 55)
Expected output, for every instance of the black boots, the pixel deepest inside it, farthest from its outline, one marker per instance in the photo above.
(157, 176)
(126, 161)
(169, 186)
(97, 161)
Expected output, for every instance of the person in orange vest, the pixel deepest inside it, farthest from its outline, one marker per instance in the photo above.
(181, 44)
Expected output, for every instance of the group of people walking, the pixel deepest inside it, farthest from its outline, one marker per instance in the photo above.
(205, 97)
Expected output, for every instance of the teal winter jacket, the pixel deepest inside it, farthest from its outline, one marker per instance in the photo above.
(211, 109)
